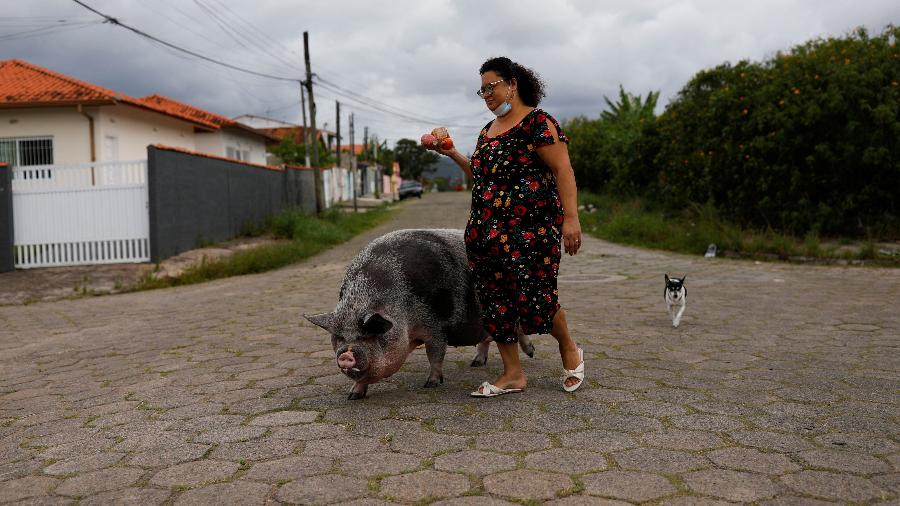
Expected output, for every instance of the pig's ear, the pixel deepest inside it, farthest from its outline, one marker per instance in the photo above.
(322, 320)
(375, 324)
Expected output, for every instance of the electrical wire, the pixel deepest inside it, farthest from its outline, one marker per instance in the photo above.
(114, 21)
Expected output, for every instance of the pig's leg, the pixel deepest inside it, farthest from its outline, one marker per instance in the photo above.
(525, 342)
(481, 351)
(358, 391)
(435, 349)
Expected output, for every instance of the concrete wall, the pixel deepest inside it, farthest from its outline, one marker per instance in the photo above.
(6, 219)
(196, 200)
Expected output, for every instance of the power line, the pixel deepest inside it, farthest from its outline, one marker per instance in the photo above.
(114, 21)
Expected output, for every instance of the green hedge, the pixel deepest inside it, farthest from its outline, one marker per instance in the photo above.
(805, 141)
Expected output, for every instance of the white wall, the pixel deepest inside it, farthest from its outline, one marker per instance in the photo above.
(68, 128)
(136, 128)
(217, 143)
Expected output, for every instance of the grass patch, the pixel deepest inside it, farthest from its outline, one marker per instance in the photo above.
(302, 237)
(636, 222)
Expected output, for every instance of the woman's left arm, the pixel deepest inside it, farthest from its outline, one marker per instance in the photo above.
(556, 156)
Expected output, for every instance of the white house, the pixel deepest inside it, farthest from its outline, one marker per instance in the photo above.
(50, 118)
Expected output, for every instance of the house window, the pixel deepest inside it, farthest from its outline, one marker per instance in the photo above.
(26, 151)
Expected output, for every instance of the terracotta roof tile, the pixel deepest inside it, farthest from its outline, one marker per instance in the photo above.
(24, 84)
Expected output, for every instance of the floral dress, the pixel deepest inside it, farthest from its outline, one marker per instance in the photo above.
(514, 229)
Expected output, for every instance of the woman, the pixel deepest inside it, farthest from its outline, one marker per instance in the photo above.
(523, 205)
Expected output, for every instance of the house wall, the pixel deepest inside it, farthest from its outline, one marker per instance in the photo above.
(68, 128)
(135, 129)
(216, 143)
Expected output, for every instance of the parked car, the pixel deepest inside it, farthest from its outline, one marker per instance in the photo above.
(410, 189)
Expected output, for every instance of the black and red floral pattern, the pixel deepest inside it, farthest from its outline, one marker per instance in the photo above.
(514, 229)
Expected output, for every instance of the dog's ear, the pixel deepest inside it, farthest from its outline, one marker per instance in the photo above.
(667, 278)
(683, 278)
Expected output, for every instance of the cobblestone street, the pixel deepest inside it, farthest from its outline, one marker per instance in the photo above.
(781, 386)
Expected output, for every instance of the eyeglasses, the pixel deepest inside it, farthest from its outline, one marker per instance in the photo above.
(488, 89)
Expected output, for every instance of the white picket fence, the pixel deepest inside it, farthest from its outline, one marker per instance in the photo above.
(80, 214)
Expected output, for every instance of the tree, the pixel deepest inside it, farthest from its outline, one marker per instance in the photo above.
(293, 153)
(413, 158)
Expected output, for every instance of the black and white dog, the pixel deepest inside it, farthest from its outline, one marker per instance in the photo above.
(676, 298)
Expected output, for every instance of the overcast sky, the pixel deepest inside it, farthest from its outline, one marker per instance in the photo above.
(421, 57)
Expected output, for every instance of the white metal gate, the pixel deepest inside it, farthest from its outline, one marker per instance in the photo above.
(81, 214)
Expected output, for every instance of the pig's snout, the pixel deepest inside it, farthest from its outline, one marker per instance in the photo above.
(346, 360)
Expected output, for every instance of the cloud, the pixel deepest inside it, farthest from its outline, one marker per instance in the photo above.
(422, 57)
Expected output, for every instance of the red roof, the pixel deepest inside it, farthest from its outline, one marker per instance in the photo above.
(24, 84)
(357, 149)
(295, 133)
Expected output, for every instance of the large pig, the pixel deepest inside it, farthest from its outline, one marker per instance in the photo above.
(404, 289)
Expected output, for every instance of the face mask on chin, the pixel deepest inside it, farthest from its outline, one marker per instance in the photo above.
(504, 108)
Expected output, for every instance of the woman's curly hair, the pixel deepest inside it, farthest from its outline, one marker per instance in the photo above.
(530, 85)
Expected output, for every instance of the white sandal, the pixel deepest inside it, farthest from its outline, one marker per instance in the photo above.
(488, 390)
(577, 373)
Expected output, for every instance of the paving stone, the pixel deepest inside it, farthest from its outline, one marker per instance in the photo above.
(474, 462)
(858, 442)
(585, 500)
(262, 449)
(468, 424)
(387, 428)
(566, 460)
(774, 441)
(325, 489)
(841, 487)
(427, 443)
(99, 481)
(652, 408)
(731, 485)
(717, 423)
(237, 493)
(22, 488)
(474, 501)
(512, 441)
(424, 484)
(344, 446)
(177, 454)
(285, 418)
(625, 423)
(127, 497)
(677, 439)
(694, 501)
(289, 468)
(309, 432)
(628, 485)
(526, 484)
(661, 461)
(20, 468)
(207, 423)
(230, 435)
(844, 461)
(795, 501)
(746, 459)
(192, 474)
(91, 462)
(599, 440)
(379, 463)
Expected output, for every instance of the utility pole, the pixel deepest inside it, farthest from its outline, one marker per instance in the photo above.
(305, 130)
(353, 161)
(379, 180)
(337, 130)
(317, 173)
